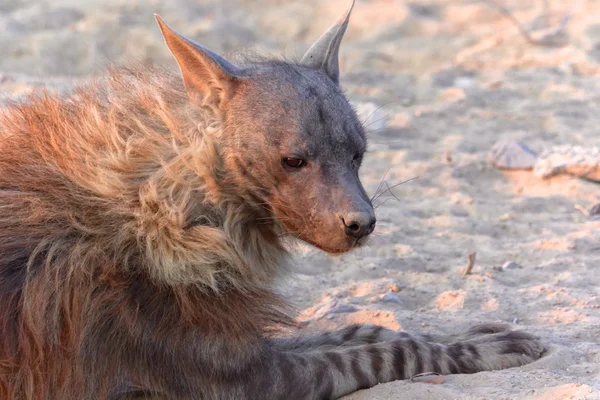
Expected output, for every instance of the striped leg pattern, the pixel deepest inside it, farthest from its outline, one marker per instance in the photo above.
(333, 364)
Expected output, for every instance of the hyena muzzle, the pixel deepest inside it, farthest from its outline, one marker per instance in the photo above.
(141, 228)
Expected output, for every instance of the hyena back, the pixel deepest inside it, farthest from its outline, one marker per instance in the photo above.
(141, 226)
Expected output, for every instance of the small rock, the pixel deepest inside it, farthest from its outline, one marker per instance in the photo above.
(505, 217)
(393, 288)
(512, 154)
(595, 211)
(390, 297)
(579, 161)
(510, 265)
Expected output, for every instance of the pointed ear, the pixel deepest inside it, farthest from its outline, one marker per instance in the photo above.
(323, 54)
(206, 75)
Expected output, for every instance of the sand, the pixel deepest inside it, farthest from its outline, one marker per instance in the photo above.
(443, 80)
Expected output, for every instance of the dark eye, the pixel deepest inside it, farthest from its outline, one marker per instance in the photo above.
(292, 162)
(356, 157)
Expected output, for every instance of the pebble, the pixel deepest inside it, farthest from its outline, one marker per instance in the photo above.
(390, 297)
(505, 217)
(510, 265)
(512, 154)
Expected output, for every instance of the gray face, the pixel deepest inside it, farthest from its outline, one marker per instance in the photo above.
(292, 144)
(295, 145)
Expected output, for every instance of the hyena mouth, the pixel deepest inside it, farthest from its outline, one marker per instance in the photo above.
(356, 243)
(330, 250)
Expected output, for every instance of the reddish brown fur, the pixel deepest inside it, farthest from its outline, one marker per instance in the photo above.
(97, 256)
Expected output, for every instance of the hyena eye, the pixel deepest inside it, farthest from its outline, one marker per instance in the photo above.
(292, 162)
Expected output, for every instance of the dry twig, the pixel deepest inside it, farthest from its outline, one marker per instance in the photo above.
(470, 265)
(582, 210)
(556, 38)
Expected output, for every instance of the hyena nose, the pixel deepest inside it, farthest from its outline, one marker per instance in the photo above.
(358, 224)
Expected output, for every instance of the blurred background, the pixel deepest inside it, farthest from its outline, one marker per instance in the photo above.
(73, 37)
(437, 84)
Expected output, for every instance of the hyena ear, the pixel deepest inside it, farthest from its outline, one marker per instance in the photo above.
(206, 75)
(323, 54)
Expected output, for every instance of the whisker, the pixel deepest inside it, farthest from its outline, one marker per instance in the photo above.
(389, 189)
(374, 122)
(382, 181)
(382, 203)
(372, 112)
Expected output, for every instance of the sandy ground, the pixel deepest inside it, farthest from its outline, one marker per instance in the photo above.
(451, 78)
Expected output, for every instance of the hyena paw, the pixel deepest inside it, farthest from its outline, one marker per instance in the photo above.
(498, 351)
(471, 333)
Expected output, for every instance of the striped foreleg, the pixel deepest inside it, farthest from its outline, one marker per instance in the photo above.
(330, 373)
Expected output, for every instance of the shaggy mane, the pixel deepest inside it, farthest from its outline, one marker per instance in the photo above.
(114, 205)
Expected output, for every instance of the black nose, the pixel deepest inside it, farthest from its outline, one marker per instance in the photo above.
(358, 224)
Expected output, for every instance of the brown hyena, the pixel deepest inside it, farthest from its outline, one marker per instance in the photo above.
(141, 228)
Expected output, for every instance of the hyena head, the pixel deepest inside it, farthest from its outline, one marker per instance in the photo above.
(291, 142)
